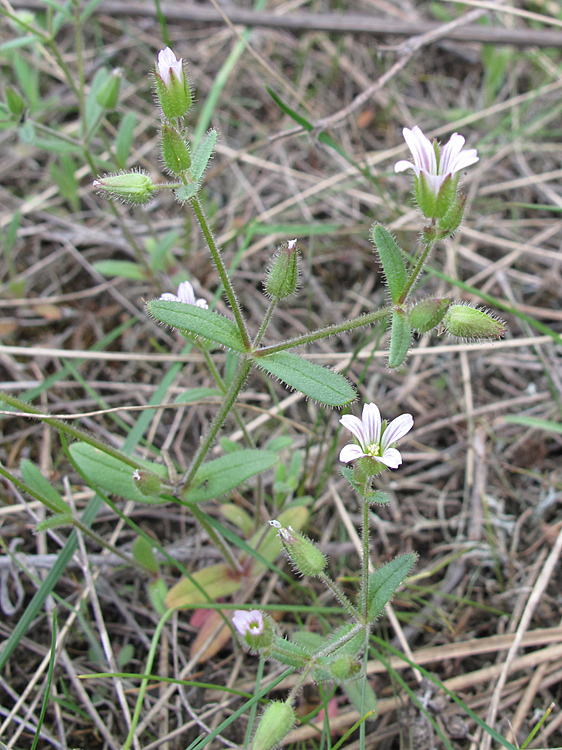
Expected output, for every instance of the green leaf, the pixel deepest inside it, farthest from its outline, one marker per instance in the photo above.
(196, 320)
(384, 582)
(217, 477)
(354, 691)
(123, 268)
(392, 261)
(55, 522)
(125, 138)
(142, 552)
(539, 424)
(288, 111)
(113, 475)
(315, 381)
(400, 339)
(187, 192)
(37, 482)
(377, 498)
(202, 155)
(196, 394)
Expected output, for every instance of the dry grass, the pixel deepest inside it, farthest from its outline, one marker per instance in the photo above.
(477, 497)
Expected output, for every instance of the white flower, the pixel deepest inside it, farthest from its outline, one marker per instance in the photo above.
(168, 64)
(248, 622)
(372, 443)
(186, 295)
(452, 157)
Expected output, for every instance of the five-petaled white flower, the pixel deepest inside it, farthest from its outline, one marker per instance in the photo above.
(374, 441)
(452, 157)
(248, 622)
(186, 295)
(168, 64)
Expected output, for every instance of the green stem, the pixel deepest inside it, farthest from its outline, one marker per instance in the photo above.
(422, 260)
(365, 554)
(144, 684)
(322, 333)
(217, 539)
(298, 684)
(230, 397)
(202, 219)
(338, 593)
(259, 335)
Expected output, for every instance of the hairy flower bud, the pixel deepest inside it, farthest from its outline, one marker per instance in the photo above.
(283, 274)
(345, 668)
(469, 323)
(308, 559)
(172, 87)
(277, 721)
(427, 314)
(147, 482)
(131, 187)
(175, 151)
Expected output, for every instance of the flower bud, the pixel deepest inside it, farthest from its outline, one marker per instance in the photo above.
(307, 558)
(345, 668)
(277, 721)
(172, 87)
(428, 313)
(467, 322)
(256, 630)
(175, 151)
(147, 482)
(283, 274)
(108, 95)
(131, 187)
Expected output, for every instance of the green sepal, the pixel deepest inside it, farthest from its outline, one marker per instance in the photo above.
(198, 321)
(425, 196)
(202, 154)
(174, 99)
(427, 314)
(384, 582)
(452, 219)
(447, 196)
(217, 477)
(175, 150)
(400, 339)
(315, 381)
(392, 262)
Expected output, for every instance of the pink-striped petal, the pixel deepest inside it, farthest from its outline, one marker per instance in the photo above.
(391, 458)
(350, 453)
(397, 429)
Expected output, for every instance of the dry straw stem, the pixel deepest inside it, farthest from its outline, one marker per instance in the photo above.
(350, 23)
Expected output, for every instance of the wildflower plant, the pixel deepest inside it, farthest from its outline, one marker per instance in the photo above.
(342, 656)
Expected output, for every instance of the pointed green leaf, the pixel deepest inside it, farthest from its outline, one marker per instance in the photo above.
(315, 381)
(202, 155)
(392, 261)
(217, 477)
(125, 268)
(37, 482)
(384, 582)
(125, 138)
(143, 553)
(187, 192)
(195, 394)
(196, 320)
(113, 475)
(288, 111)
(400, 339)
